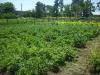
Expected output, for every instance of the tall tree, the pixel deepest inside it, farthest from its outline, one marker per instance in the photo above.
(87, 8)
(68, 11)
(7, 10)
(77, 1)
(85, 5)
(1, 8)
(56, 8)
(61, 5)
(40, 10)
(8, 7)
(76, 9)
(49, 10)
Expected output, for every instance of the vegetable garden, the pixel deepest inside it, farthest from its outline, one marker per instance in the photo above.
(28, 49)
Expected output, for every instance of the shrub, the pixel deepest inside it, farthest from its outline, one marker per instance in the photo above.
(95, 62)
(50, 37)
(71, 54)
(79, 41)
(33, 66)
(8, 16)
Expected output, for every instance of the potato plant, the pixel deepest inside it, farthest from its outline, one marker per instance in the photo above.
(95, 62)
(28, 49)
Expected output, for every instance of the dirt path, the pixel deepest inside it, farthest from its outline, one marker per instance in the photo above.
(80, 67)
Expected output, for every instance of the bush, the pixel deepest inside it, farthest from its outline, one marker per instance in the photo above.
(33, 66)
(50, 37)
(71, 54)
(95, 62)
(79, 41)
(8, 16)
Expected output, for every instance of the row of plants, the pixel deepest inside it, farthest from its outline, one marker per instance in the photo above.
(28, 49)
(23, 20)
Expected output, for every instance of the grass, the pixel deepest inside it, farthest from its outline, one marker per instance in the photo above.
(34, 49)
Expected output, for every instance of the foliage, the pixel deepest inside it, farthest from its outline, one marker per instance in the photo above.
(40, 10)
(85, 8)
(68, 11)
(56, 8)
(79, 41)
(8, 16)
(49, 10)
(35, 49)
(95, 62)
(61, 5)
(27, 14)
(7, 10)
(76, 9)
(7, 7)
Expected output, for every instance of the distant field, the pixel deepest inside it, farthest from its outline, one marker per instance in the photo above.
(28, 48)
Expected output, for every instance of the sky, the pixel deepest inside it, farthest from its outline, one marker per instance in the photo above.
(30, 4)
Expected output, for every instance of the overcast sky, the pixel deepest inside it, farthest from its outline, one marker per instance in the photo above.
(30, 4)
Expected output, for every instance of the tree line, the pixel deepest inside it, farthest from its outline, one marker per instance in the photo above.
(78, 8)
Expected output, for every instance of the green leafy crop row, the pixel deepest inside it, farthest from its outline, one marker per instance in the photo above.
(29, 49)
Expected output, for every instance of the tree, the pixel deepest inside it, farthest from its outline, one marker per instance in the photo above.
(8, 7)
(1, 8)
(7, 10)
(56, 8)
(9, 16)
(27, 14)
(40, 10)
(67, 11)
(83, 6)
(77, 1)
(61, 5)
(87, 8)
(44, 10)
(49, 10)
(76, 9)
(33, 13)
